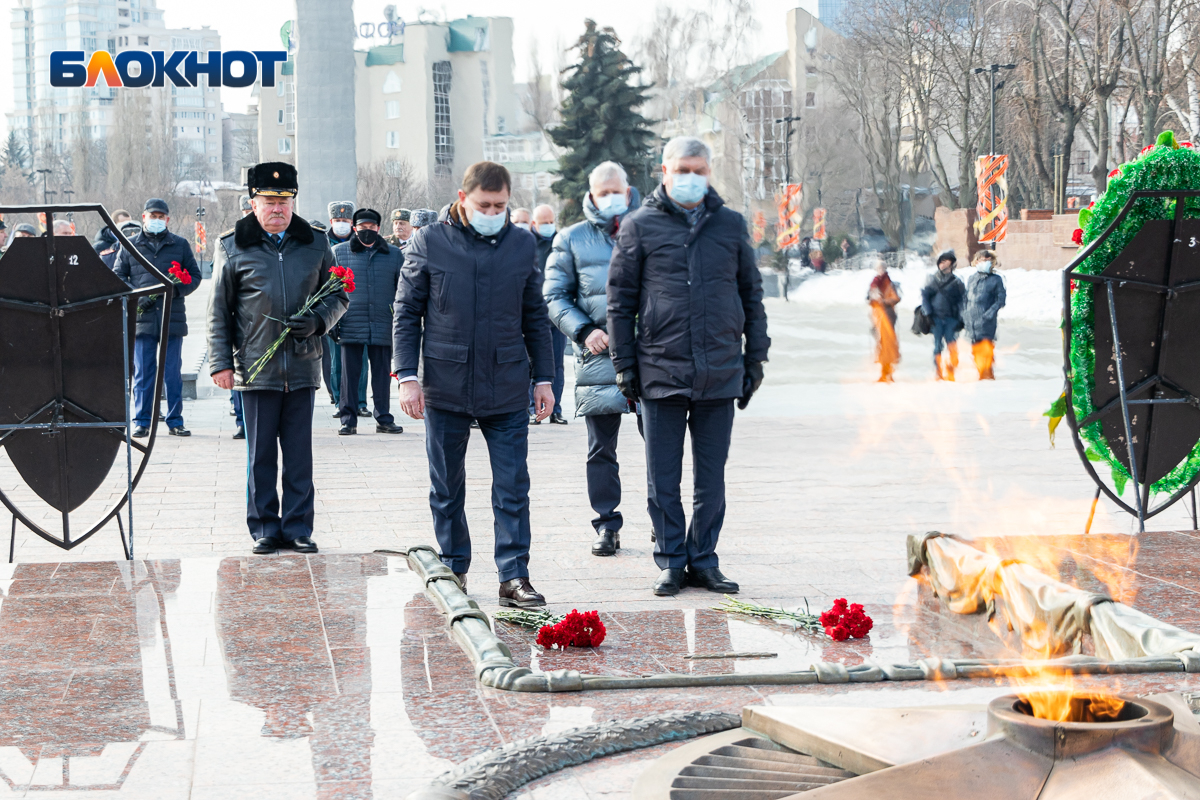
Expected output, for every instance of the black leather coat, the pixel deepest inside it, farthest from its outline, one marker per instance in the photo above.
(255, 286)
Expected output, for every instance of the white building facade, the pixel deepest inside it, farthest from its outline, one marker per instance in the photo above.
(51, 118)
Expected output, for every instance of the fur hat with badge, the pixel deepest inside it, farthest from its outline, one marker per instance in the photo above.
(272, 179)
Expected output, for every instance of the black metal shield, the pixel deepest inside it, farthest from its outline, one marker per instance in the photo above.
(65, 467)
(66, 336)
(1153, 313)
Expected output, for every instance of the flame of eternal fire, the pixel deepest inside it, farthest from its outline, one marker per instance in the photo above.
(1073, 707)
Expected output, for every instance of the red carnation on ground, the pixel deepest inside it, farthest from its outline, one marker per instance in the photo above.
(1077, 236)
(575, 630)
(1185, 144)
(1146, 149)
(845, 621)
(1116, 173)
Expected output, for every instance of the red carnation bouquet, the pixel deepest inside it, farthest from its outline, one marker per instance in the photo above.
(846, 621)
(558, 633)
(575, 630)
(840, 623)
(179, 276)
(339, 278)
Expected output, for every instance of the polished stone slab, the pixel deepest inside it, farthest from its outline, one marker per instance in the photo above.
(332, 676)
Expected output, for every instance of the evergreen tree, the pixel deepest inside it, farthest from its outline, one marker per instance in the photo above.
(14, 155)
(600, 121)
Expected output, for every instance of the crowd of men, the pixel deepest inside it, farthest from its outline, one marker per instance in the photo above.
(469, 310)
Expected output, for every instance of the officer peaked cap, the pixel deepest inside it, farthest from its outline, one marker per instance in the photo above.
(367, 215)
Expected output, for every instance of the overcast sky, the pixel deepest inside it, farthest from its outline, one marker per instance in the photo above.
(251, 25)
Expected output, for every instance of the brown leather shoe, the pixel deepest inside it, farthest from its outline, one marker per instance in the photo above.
(519, 593)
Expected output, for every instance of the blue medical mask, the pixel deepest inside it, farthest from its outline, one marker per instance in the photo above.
(155, 225)
(546, 229)
(687, 187)
(612, 205)
(984, 266)
(488, 224)
(522, 225)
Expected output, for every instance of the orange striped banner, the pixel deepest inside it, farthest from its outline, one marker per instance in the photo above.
(992, 188)
(790, 210)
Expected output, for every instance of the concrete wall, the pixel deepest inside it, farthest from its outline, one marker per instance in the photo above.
(325, 124)
(956, 231)
(1030, 244)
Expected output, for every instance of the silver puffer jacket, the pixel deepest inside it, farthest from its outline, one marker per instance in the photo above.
(575, 286)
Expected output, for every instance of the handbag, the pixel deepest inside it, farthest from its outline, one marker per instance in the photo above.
(921, 324)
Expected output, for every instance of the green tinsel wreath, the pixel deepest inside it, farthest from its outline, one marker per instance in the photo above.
(1165, 165)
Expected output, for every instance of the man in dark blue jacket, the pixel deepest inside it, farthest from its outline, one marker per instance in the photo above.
(162, 249)
(367, 323)
(683, 270)
(470, 303)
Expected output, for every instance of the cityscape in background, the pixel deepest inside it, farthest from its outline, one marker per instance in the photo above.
(430, 96)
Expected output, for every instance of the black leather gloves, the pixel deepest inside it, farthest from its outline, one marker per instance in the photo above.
(302, 326)
(750, 382)
(627, 382)
(144, 304)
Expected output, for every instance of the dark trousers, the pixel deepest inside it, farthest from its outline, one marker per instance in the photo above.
(945, 331)
(380, 358)
(145, 369)
(327, 350)
(279, 422)
(559, 343)
(711, 425)
(236, 399)
(603, 471)
(507, 437)
(333, 381)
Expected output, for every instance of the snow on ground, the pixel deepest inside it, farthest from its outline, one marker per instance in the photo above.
(1033, 295)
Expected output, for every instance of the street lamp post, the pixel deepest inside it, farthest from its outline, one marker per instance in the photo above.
(70, 214)
(45, 173)
(787, 146)
(992, 69)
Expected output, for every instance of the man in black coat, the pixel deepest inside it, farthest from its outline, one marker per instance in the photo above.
(470, 306)
(163, 249)
(367, 325)
(683, 293)
(265, 270)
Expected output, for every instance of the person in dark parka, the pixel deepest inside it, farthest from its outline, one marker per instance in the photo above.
(985, 297)
(470, 313)
(367, 323)
(162, 249)
(684, 293)
(264, 271)
(942, 301)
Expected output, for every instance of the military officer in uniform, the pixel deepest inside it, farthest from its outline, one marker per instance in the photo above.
(402, 229)
(265, 270)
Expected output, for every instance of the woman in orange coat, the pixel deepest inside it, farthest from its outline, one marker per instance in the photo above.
(882, 298)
